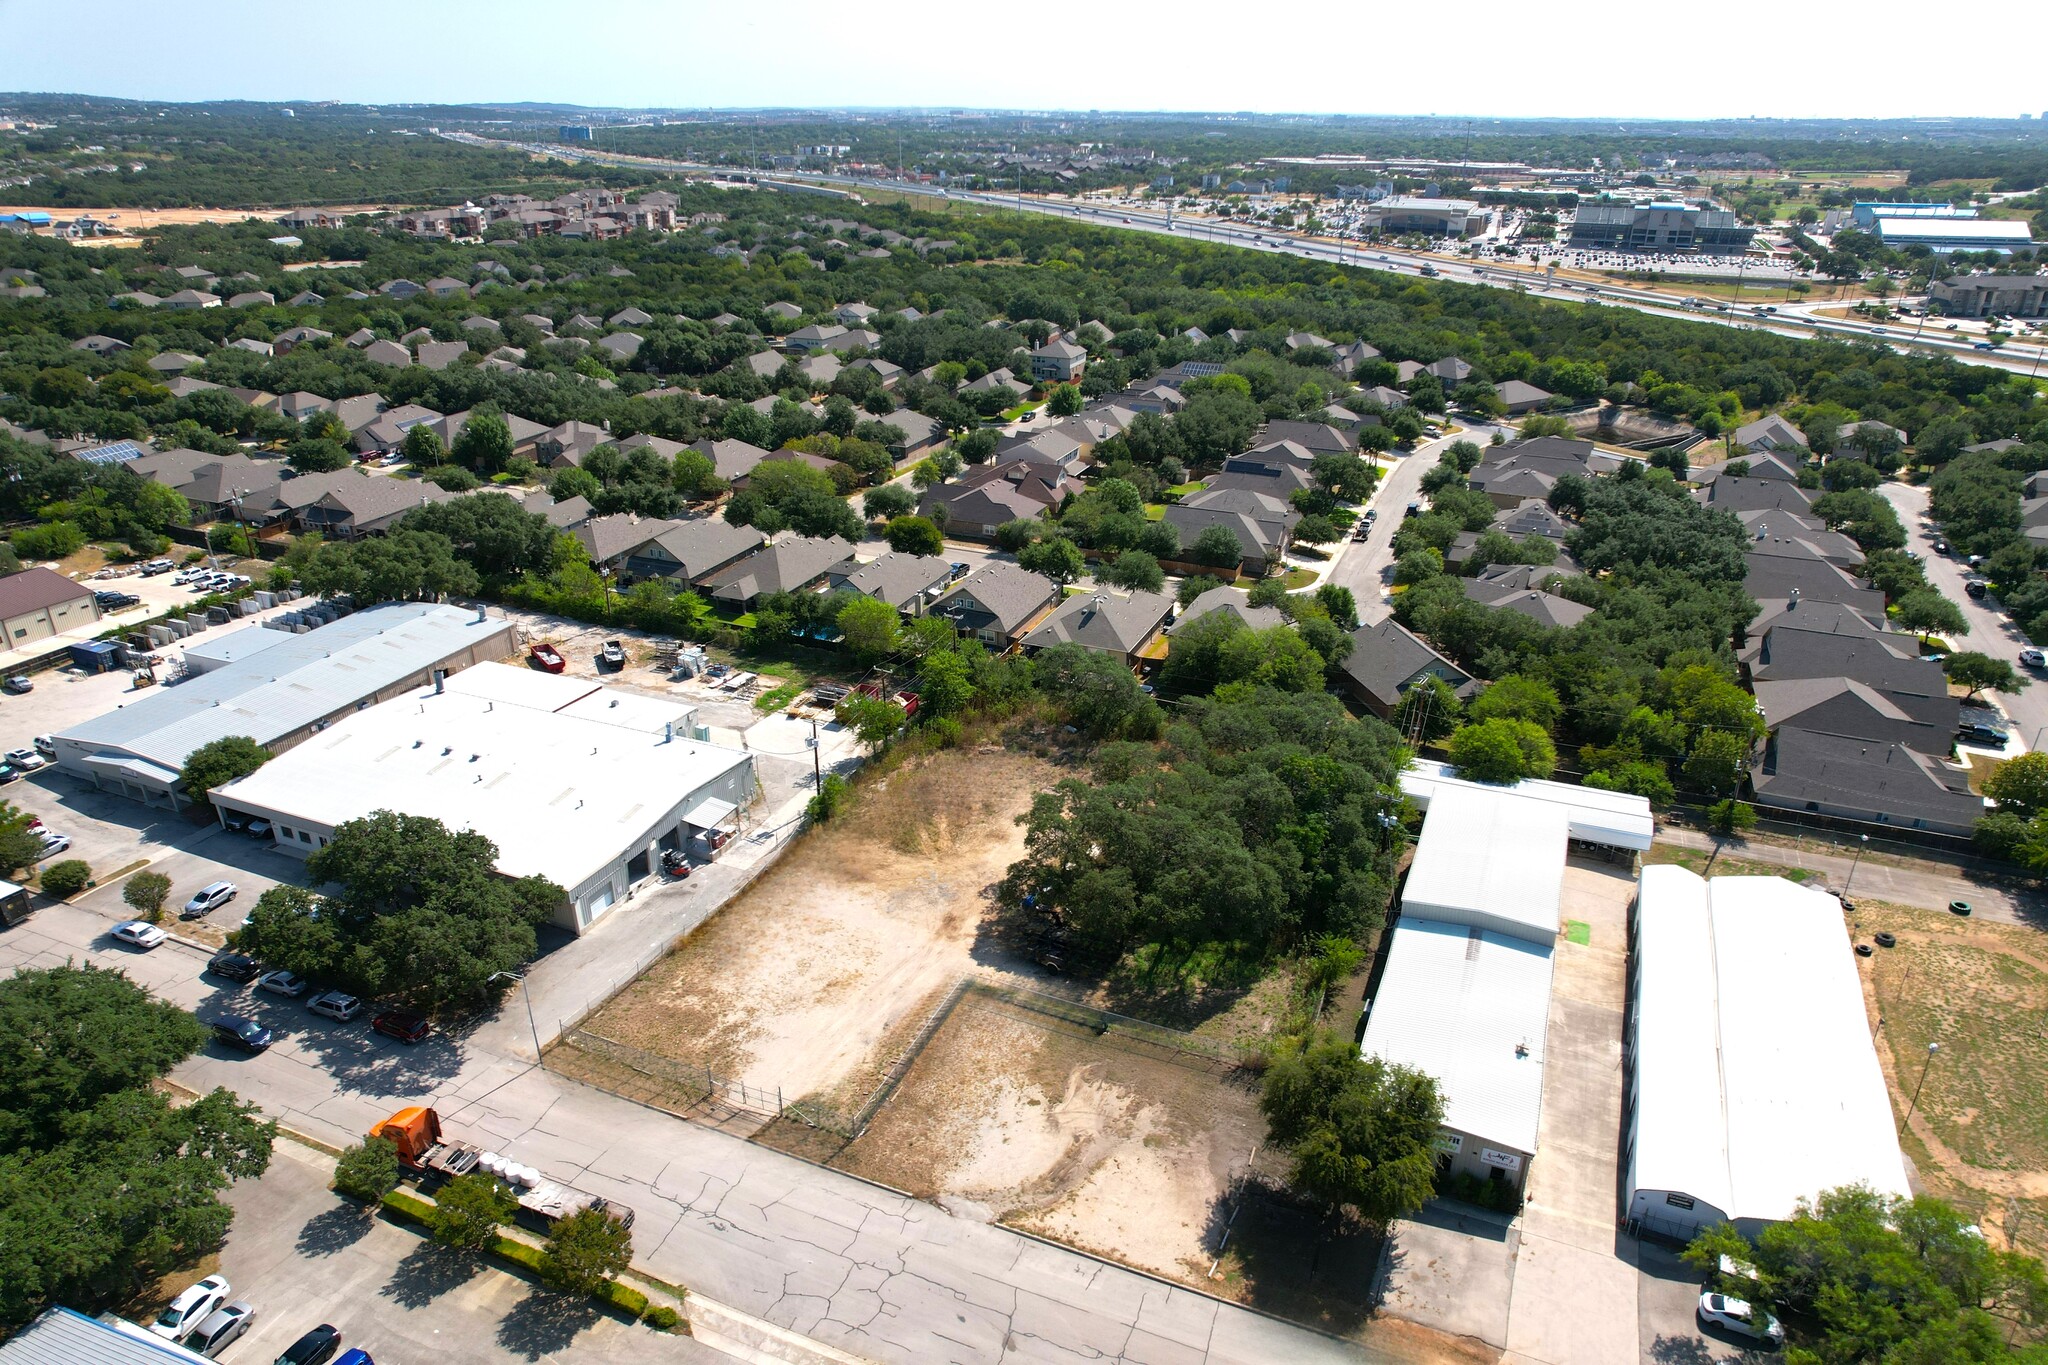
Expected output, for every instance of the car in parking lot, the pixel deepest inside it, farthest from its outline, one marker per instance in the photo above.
(290, 985)
(28, 760)
(46, 745)
(1740, 1318)
(240, 1031)
(337, 1005)
(222, 1327)
(18, 684)
(54, 843)
(234, 967)
(317, 1347)
(138, 934)
(404, 1025)
(193, 1306)
(208, 898)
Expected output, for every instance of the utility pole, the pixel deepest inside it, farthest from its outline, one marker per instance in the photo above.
(817, 767)
(1932, 1048)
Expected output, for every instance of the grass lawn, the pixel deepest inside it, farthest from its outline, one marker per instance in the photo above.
(1155, 511)
(1182, 490)
(1012, 414)
(1298, 579)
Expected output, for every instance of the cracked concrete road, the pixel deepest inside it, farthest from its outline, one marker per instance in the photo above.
(875, 1273)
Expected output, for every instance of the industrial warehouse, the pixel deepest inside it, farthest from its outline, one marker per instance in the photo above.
(276, 686)
(579, 783)
(1753, 1081)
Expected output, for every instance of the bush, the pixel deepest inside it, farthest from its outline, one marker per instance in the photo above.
(52, 541)
(367, 1171)
(66, 879)
(830, 800)
(1731, 817)
(662, 1318)
(1497, 1195)
(451, 477)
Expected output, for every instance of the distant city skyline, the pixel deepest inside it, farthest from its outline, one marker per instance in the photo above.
(1482, 60)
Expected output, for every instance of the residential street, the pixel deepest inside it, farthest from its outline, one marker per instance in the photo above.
(1366, 566)
(872, 1272)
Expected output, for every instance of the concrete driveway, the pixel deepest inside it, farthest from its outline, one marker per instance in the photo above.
(303, 1256)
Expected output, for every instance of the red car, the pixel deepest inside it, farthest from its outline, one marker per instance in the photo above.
(547, 657)
(403, 1025)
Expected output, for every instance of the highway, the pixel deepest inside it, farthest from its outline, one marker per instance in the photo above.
(1790, 319)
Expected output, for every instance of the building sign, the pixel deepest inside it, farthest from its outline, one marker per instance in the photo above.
(1449, 1142)
(1507, 1161)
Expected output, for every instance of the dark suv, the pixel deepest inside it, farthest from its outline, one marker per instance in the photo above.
(239, 1031)
(234, 966)
(403, 1025)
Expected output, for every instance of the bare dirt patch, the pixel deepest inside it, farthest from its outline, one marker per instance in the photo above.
(805, 982)
(1979, 1133)
(143, 220)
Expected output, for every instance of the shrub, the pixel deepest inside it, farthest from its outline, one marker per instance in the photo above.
(145, 893)
(830, 800)
(662, 1318)
(52, 541)
(368, 1171)
(1731, 817)
(66, 879)
(586, 1253)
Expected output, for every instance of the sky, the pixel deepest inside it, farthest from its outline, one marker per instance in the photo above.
(1482, 58)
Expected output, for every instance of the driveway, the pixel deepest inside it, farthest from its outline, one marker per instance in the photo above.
(302, 1256)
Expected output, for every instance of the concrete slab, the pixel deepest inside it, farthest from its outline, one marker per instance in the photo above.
(1572, 1306)
(1451, 1271)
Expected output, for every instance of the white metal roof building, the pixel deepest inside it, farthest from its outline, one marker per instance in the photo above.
(277, 696)
(62, 1337)
(573, 781)
(1943, 235)
(1489, 859)
(1753, 1080)
(1613, 819)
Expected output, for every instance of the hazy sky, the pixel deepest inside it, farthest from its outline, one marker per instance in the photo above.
(1479, 57)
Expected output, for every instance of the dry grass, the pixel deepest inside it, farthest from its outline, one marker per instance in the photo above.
(1979, 1133)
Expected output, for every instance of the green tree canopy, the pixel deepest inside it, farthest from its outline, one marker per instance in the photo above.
(219, 762)
(914, 535)
(1503, 751)
(870, 627)
(586, 1251)
(1360, 1131)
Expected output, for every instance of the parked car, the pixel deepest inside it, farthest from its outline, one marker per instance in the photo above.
(208, 898)
(18, 684)
(1975, 732)
(233, 966)
(9, 773)
(613, 655)
(1737, 1316)
(157, 566)
(54, 843)
(222, 1327)
(28, 760)
(138, 934)
(192, 1307)
(547, 657)
(354, 1355)
(290, 985)
(336, 1005)
(317, 1347)
(46, 745)
(2033, 658)
(257, 829)
(404, 1025)
(240, 1031)
(1976, 587)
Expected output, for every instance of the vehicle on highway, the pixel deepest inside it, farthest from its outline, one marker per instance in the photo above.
(138, 933)
(28, 760)
(240, 1031)
(290, 985)
(1737, 1316)
(404, 1025)
(221, 1328)
(207, 899)
(234, 967)
(336, 1005)
(317, 1347)
(193, 1305)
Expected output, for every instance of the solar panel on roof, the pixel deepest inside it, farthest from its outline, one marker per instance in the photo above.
(120, 452)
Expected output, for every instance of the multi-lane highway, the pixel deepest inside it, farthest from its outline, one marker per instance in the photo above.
(1790, 319)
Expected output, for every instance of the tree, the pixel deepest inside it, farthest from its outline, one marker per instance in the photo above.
(1217, 547)
(869, 625)
(573, 482)
(367, 1171)
(913, 535)
(887, 502)
(1064, 400)
(319, 456)
(452, 478)
(1502, 751)
(485, 442)
(1976, 671)
(872, 721)
(219, 762)
(1314, 529)
(19, 845)
(1518, 697)
(1925, 610)
(1361, 1132)
(1015, 534)
(1134, 570)
(421, 915)
(145, 893)
(2020, 785)
(1099, 694)
(402, 565)
(1731, 816)
(422, 448)
(65, 879)
(586, 1251)
(71, 1037)
(1056, 557)
(468, 1211)
(1718, 760)
(1429, 710)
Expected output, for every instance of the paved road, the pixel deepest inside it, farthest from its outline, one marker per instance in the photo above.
(1362, 565)
(878, 1274)
(1991, 630)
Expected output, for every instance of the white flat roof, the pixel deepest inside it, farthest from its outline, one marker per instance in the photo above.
(235, 645)
(1599, 817)
(2009, 230)
(560, 794)
(1490, 858)
(1457, 1003)
(564, 695)
(1777, 1027)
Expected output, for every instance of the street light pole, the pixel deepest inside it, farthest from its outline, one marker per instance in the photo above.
(1850, 880)
(1932, 1048)
(526, 995)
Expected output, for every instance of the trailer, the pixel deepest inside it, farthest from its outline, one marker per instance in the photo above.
(423, 1148)
(547, 1203)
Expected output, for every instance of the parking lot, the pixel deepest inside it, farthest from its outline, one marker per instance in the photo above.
(301, 1256)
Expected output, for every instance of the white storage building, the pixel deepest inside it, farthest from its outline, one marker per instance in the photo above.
(1608, 819)
(1489, 858)
(582, 784)
(1753, 1080)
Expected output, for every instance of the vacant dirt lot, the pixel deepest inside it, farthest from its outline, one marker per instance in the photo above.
(811, 981)
(142, 220)
(1115, 1147)
(1979, 1134)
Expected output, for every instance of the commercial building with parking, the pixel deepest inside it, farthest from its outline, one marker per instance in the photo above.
(1658, 227)
(1979, 296)
(1434, 217)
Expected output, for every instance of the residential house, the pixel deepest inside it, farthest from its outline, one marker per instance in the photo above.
(1386, 660)
(1879, 782)
(819, 370)
(629, 316)
(357, 504)
(1511, 473)
(815, 337)
(568, 443)
(564, 515)
(1052, 447)
(1058, 362)
(524, 432)
(1124, 626)
(1261, 523)
(909, 583)
(172, 362)
(385, 432)
(789, 563)
(250, 344)
(621, 346)
(1318, 438)
(387, 353)
(443, 287)
(298, 405)
(1520, 396)
(1772, 432)
(691, 549)
(439, 355)
(291, 338)
(1275, 478)
(918, 434)
(1546, 609)
(1234, 602)
(731, 459)
(1000, 378)
(986, 496)
(253, 298)
(100, 345)
(854, 314)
